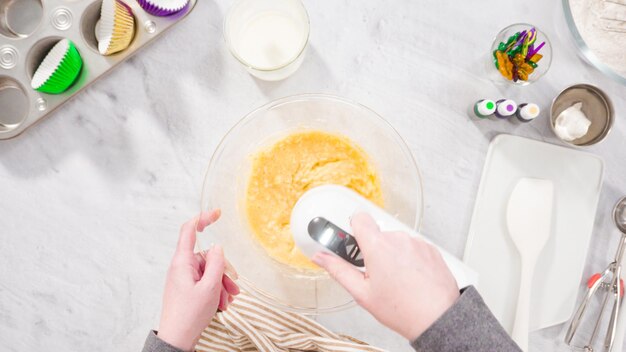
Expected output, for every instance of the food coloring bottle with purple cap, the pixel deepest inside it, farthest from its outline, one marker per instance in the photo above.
(505, 108)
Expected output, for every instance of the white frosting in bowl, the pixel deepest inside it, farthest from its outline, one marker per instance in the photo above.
(572, 123)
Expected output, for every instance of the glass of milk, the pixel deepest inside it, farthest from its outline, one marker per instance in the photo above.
(268, 37)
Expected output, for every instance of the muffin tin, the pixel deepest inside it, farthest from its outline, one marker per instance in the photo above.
(30, 28)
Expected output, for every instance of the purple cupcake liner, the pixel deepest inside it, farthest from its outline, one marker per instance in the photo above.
(158, 11)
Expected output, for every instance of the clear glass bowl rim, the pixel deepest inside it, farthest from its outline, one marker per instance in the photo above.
(267, 297)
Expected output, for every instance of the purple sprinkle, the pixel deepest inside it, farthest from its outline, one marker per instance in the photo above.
(521, 38)
(535, 50)
(509, 107)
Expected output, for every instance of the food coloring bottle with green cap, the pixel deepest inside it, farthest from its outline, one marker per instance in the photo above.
(505, 108)
(484, 108)
(527, 112)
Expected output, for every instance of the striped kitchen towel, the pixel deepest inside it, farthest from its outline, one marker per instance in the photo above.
(250, 325)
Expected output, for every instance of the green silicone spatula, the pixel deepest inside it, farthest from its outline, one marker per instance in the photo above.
(529, 219)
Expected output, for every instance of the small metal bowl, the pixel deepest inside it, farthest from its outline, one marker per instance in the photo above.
(596, 105)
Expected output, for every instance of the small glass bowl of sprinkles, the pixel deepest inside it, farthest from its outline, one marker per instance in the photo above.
(521, 54)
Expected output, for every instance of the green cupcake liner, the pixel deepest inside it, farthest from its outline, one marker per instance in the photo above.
(65, 74)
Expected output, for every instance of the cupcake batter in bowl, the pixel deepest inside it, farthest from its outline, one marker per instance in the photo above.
(284, 171)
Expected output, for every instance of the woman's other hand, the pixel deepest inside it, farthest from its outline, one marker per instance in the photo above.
(195, 288)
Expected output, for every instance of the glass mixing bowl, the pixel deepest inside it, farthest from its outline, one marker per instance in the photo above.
(227, 176)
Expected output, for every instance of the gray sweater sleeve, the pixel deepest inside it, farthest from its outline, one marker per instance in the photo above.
(467, 326)
(155, 344)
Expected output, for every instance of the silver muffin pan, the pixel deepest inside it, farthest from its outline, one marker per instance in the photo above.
(30, 28)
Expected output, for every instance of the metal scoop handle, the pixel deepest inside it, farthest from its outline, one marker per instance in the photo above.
(610, 279)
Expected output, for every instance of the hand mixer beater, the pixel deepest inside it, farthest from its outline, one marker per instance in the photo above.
(608, 281)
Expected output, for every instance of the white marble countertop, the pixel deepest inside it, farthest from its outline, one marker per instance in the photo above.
(93, 197)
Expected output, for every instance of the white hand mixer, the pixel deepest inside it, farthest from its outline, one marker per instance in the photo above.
(320, 221)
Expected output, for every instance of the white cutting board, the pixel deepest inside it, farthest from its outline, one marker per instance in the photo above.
(577, 178)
